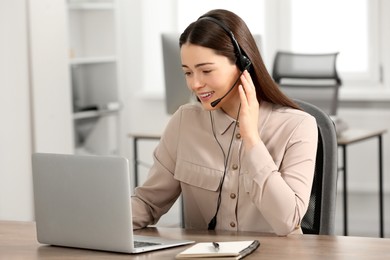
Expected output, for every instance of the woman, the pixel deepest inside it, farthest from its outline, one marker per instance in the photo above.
(243, 157)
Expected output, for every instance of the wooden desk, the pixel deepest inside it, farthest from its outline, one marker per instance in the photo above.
(18, 241)
(349, 137)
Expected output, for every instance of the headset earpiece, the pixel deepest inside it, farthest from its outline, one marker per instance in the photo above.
(243, 62)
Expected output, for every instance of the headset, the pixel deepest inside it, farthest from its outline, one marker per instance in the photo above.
(243, 63)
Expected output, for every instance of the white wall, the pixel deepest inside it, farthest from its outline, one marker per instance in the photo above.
(50, 76)
(35, 96)
(15, 131)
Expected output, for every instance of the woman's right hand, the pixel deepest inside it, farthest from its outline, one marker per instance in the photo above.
(249, 112)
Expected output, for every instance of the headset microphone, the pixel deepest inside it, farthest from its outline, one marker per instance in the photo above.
(216, 102)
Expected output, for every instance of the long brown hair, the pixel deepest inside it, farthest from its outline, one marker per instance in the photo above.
(206, 33)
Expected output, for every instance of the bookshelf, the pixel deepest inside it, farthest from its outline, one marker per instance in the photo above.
(94, 75)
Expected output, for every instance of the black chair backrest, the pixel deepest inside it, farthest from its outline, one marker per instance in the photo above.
(319, 218)
(309, 77)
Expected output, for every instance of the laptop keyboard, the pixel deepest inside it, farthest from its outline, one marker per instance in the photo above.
(143, 244)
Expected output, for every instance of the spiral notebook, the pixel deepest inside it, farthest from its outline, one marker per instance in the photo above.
(224, 250)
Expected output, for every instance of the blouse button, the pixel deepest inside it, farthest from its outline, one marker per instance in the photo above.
(232, 224)
(238, 136)
(232, 195)
(235, 166)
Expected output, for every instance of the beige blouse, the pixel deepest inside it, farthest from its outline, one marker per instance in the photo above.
(266, 189)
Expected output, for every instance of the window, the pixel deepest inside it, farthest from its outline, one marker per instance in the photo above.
(344, 26)
(251, 11)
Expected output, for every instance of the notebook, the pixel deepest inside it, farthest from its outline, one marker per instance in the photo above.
(84, 201)
(220, 250)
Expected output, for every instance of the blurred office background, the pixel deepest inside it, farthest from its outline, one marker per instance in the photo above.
(80, 76)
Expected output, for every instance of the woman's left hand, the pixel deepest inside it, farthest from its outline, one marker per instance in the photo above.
(249, 113)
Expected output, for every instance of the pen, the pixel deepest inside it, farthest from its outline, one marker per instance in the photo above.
(216, 246)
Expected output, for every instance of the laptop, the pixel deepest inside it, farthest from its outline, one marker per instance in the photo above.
(83, 201)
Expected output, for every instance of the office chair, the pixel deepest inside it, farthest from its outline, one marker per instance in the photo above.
(320, 216)
(309, 77)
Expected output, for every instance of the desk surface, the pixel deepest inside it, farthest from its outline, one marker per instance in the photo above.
(144, 136)
(354, 135)
(18, 241)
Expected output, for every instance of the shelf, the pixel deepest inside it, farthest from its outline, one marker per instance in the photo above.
(92, 60)
(93, 64)
(93, 113)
